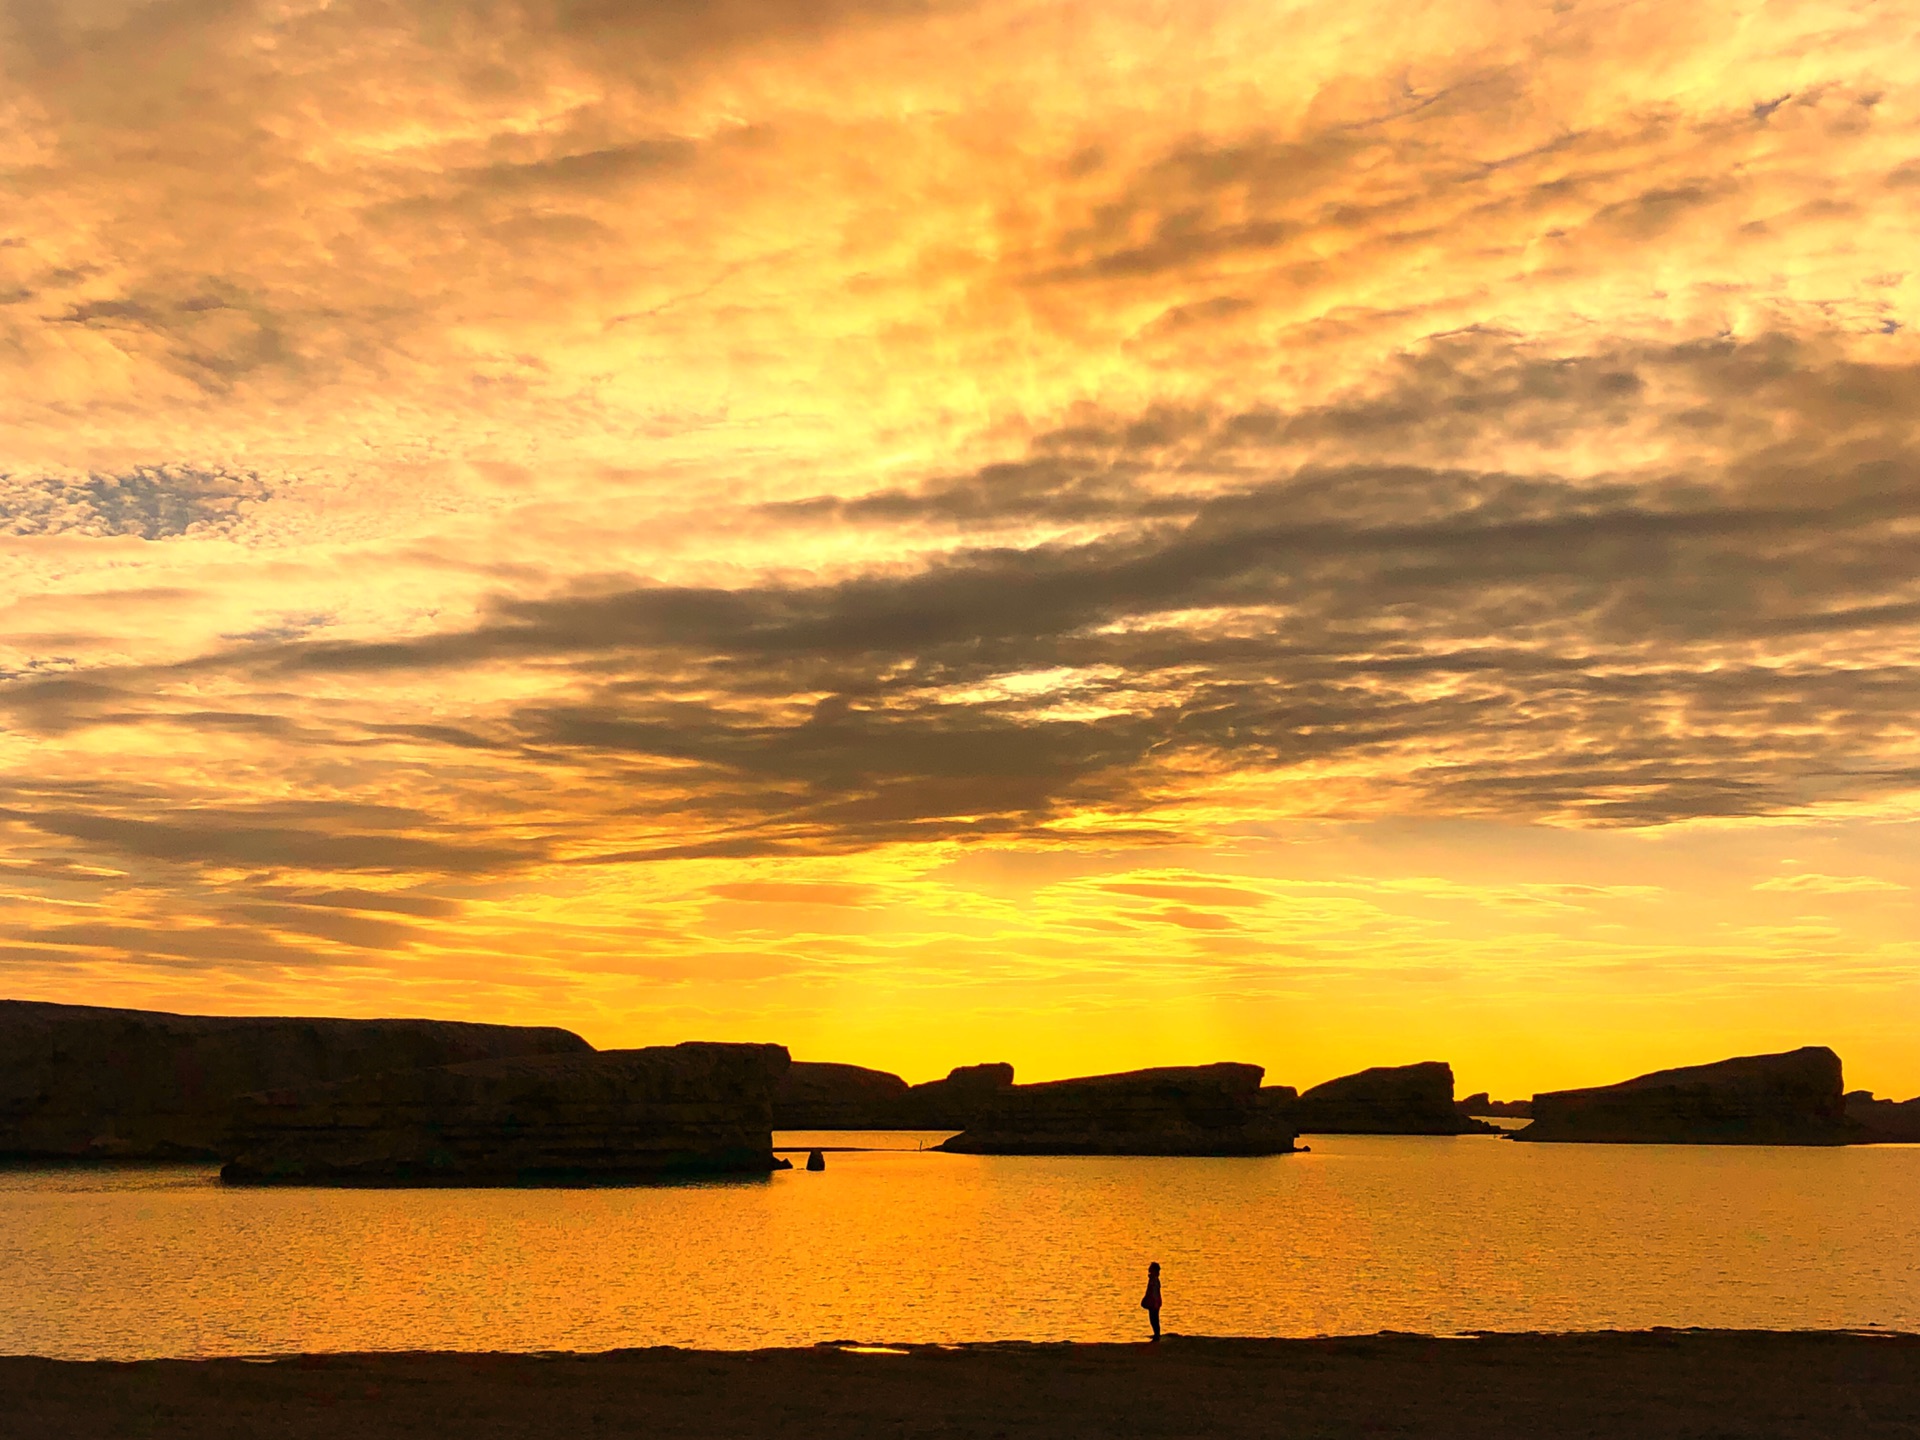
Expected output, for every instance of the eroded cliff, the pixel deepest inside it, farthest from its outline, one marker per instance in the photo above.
(1386, 1100)
(1884, 1121)
(693, 1108)
(81, 1082)
(968, 1094)
(822, 1095)
(1792, 1098)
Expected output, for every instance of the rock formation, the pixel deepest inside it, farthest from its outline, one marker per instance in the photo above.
(1479, 1103)
(1386, 1100)
(613, 1115)
(1884, 1120)
(822, 1096)
(969, 1094)
(818, 1095)
(1178, 1110)
(79, 1082)
(1788, 1099)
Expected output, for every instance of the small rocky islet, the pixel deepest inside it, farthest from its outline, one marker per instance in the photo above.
(408, 1102)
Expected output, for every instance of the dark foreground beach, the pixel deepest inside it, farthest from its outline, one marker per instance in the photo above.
(1644, 1385)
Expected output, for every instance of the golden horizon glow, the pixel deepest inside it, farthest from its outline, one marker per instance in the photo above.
(1088, 535)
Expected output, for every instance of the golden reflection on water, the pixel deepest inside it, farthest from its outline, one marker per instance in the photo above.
(1364, 1233)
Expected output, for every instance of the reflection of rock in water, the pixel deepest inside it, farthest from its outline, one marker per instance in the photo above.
(816, 1161)
(1787, 1099)
(78, 1082)
(667, 1110)
(1386, 1100)
(1176, 1110)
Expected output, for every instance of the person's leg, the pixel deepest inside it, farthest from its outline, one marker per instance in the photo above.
(1154, 1316)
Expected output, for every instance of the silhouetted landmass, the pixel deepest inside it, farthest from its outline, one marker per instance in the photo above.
(82, 1082)
(1884, 1120)
(1176, 1110)
(693, 1108)
(1479, 1104)
(968, 1095)
(1664, 1385)
(1792, 1098)
(1386, 1100)
(821, 1095)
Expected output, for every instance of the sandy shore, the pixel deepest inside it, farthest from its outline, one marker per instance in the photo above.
(1647, 1386)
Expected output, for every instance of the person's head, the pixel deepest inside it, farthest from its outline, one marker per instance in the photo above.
(1154, 1268)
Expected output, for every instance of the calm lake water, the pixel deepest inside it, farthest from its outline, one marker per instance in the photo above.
(1363, 1234)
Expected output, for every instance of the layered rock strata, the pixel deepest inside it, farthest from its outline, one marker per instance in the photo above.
(1386, 1100)
(1793, 1098)
(1177, 1110)
(1882, 1121)
(81, 1082)
(669, 1110)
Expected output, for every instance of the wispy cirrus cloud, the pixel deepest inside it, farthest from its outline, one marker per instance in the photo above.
(1812, 884)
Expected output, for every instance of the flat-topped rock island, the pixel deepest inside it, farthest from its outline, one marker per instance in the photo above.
(82, 1082)
(1792, 1098)
(668, 1110)
(1174, 1110)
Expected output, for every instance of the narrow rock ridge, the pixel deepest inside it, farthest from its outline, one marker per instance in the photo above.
(669, 1110)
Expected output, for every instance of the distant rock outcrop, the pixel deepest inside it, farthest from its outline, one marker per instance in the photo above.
(1787, 1099)
(817, 1095)
(81, 1082)
(1386, 1100)
(1178, 1110)
(968, 1095)
(1884, 1120)
(1478, 1104)
(820, 1095)
(668, 1110)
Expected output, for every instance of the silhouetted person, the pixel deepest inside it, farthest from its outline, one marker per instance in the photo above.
(1150, 1302)
(816, 1161)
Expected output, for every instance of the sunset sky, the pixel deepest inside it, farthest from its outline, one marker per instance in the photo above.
(1091, 535)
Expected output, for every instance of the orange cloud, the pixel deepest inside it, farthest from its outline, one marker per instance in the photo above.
(476, 489)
